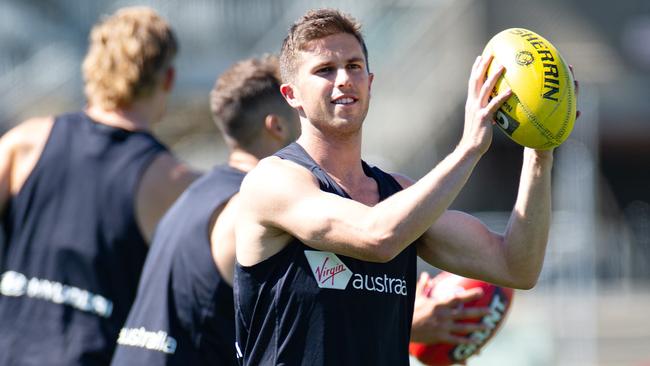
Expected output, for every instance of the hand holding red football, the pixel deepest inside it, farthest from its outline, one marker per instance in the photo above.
(440, 320)
(466, 320)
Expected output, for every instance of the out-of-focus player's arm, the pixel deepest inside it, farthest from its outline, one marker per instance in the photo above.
(163, 181)
(6, 154)
(440, 320)
(20, 149)
(222, 238)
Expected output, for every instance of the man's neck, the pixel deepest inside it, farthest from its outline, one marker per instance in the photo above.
(242, 160)
(131, 119)
(339, 156)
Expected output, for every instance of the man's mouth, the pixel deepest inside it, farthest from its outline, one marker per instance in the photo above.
(344, 100)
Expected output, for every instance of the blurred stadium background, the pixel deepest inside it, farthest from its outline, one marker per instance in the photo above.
(591, 304)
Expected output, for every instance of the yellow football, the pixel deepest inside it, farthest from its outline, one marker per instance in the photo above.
(542, 109)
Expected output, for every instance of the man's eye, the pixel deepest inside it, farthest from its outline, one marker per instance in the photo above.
(324, 70)
(354, 66)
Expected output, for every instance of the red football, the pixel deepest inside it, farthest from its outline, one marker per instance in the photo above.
(498, 299)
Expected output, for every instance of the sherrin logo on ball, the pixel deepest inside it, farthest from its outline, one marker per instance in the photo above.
(497, 299)
(542, 109)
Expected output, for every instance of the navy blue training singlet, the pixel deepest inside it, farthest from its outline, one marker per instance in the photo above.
(303, 306)
(184, 313)
(74, 251)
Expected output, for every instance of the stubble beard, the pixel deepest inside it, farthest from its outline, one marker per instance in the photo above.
(341, 127)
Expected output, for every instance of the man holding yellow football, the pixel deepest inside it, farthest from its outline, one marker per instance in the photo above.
(327, 244)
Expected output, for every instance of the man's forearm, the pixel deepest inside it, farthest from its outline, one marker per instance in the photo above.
(528, 228)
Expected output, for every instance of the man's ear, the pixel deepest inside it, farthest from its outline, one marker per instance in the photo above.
(169, 79)
(371, 77)
(290, 95)
(274, 126)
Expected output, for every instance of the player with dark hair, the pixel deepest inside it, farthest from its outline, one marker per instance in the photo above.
(185, 300)
(327, 245)
(80, 194)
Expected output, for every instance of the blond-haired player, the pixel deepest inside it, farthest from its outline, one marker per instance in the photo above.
(80, 194)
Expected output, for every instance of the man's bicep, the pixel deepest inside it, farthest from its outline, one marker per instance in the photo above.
(292, 203)
(460, 243)
(317, 216)
(296, 205)
(264, 205)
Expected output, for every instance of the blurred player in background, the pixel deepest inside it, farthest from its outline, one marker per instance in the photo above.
(185, 290)
(185, 299)
(80, 194)
(327, 245)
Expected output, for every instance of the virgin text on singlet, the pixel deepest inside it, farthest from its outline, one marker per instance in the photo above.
(330, 272)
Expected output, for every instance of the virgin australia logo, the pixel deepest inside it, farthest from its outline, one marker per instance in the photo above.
(328, 269)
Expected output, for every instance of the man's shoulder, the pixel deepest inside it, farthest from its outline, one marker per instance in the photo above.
(29, 133)
(161, 184)
(167, 168)
(20, 150)
(165, 178)
(277, 171)
(276, 180)
(23, 144)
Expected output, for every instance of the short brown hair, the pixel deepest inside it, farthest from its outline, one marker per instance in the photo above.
(316, 24)
(244, 95)
(126, 52)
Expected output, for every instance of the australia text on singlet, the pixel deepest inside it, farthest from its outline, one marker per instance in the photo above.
(16, 284)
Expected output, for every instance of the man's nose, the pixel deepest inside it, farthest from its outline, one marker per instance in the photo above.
(342, 78)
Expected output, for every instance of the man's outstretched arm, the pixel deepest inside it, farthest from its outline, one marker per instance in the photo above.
(462, 244)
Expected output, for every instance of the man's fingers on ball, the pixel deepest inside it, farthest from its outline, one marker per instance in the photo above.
(488, 86)
(477, 62)
(577, 91)
(470, 295)
(485, 64)
(479, 77)
(422, 281)
(473, 76)
(453, 302)
(576, 84)
(425, 276)
(470, 313)
(498, 101)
